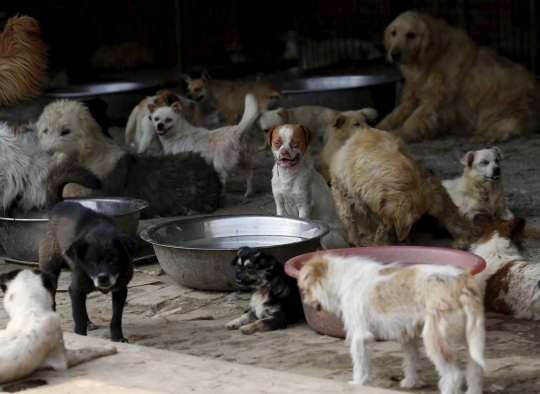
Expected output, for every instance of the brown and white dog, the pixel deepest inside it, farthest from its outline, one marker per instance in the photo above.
(341, 128)
(229, 96)
(510, 282)
(380, 189)
(440, 304)
(453, 85)
(299, 190)
(480, 188)
(140, 131)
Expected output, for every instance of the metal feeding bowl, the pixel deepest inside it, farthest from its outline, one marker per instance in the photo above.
(21, 232)
(197, 252)
(102, 88)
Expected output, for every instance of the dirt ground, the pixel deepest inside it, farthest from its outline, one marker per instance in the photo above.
(164, 315)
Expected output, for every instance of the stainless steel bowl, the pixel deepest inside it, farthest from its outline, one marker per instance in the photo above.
(197, 252)
(101, 89)
(20, 234)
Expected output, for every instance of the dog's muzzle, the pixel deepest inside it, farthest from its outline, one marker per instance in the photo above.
(495, 175)
(104, 281)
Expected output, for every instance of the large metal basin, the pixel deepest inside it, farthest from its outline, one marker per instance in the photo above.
(98, 89)
(197, 252)
(20, 234)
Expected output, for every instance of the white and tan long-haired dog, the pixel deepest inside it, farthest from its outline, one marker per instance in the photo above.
(33, 337)
(440, 304)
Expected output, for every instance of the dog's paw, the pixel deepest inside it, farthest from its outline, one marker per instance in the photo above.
(90, 326)
(248, 329)
(233, 325)
(121, 340)
(411, 383)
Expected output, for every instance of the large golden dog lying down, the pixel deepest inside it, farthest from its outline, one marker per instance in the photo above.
(454, 85)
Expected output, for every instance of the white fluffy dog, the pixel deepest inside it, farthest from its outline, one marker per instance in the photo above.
(33, 337)
(441, 304)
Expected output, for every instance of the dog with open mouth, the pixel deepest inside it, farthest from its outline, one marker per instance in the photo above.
(275, 302)
(90, 244)
(299, 190)
(480, 188)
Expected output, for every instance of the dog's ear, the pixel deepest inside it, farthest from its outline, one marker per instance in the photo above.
(176, 107)
(283, 114)
(482, 220)
(77, 250)
(7, 277)
(164, 91)
(338, 121)
(427, 41)
(269, 135)
(186, 78)
(467, 159)
(127, 243)
(152, 107)
(308, 135)
(498, 152)
(370, 114)
(205, 76)
(311, 273)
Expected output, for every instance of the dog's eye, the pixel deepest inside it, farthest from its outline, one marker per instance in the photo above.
(394, 33)
(65, 132)
(410, 35)
(168, 120)
(156, 119)
(294, 143)
(496, 160)
(266, 131)
(277, 143)
(357, 124)
(485, 162)
(45, 131)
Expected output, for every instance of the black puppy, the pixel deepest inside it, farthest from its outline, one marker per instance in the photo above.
(275, 301)
(98, 254)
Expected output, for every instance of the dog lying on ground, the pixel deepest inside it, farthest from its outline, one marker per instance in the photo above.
(341, 128)
(23, 60)
(229, 96)
(275, 302)
(440, 304)
(226, 148)
(173, 185)
(510, 281)
(380, 189)
(97, 253)
(480, 188)
(33, 338)
(299, 190)
(140, 131)
(452, 84)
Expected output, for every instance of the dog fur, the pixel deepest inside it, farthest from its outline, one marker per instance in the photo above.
(275, 302)
(229, 96)
(380, 189)
(299, 190)
(510, 282)
(480, 188)
(453, 85)
(226, 148)
(173, 185)
(33, 338)
(340, 129)
(440, 304)
(23, 60)
(140, 131)
(97, 253)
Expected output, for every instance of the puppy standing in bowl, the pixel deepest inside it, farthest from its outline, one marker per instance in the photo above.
(275, 302)
(98, 254)
(299, 190)
(480, 188)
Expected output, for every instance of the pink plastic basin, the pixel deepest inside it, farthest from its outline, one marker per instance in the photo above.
(330, 324)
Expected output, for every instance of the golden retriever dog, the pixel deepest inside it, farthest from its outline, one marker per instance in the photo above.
(380, 189)
(453, 85)
(229, 96)
(23, 60)
(140, 132)
(440, 304)
(343, 126)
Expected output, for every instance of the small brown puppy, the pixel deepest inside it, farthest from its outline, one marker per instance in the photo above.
(380, 189)
(228, 96)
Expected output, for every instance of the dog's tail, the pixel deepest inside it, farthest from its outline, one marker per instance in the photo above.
(23, 60)
(472, 302)
(68, 172)
(251, 112)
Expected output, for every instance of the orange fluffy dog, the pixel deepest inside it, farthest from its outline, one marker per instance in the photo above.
(452, 84)
(379, 188)
(23, 60)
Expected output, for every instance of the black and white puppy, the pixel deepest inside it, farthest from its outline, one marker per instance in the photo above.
(275, 302)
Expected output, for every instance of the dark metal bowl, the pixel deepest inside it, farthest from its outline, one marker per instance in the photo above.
(102, 88)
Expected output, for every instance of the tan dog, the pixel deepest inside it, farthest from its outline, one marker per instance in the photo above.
(480, 188)
(23, 60)
(452, 84)
(228, 96)
(341, 128)
(380, 189)
(440, 304)
(299, 190)
(140, 132)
